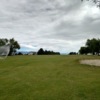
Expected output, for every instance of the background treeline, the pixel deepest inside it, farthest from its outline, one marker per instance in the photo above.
(92, 46)
(73, 53)
(15, 46)
(46, 52)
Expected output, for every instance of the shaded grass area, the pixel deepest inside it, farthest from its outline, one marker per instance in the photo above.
(49, 78)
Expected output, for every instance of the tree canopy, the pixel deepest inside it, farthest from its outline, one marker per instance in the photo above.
(97, 2)
(3, 41)
(91, 46)
(14, 44)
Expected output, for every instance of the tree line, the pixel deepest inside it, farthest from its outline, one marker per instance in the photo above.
(92, 46)
(15, 45)
(46, 52)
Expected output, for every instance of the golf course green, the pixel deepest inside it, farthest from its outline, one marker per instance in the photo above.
(49, 78)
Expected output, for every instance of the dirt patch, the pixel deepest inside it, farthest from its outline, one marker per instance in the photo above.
(95, 62)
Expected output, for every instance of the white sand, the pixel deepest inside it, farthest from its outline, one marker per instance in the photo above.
(95, 62)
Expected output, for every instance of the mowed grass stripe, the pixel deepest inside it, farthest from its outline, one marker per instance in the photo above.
(48, 78)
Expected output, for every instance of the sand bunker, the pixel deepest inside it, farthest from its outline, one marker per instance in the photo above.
(95, 62)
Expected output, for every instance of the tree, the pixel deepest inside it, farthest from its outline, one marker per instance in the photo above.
(40, 52)
(97, 2)
(98, 47)
(84, 50)
(93, 45)
(3, 41)
(13, 44)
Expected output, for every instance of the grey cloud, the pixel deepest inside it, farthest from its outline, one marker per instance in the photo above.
(61, 25)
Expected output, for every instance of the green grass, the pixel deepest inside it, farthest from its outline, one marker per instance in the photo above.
(48, 78)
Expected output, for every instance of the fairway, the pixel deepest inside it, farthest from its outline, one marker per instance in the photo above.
(49, 78)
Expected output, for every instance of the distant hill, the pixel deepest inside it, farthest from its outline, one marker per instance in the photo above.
(26, 52)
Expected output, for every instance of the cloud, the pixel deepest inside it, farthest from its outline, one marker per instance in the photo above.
(59, 25)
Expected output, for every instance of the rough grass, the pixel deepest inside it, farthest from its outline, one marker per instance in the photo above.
(49, 78)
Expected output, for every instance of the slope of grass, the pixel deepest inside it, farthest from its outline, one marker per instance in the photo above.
(48, 78)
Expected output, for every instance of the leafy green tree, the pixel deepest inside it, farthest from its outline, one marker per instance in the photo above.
(84, 50)
(14, 45)
(3, 41)
(92, 44)
(40, 51)
(97, 46)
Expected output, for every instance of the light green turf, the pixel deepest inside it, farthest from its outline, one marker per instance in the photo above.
(48, 78)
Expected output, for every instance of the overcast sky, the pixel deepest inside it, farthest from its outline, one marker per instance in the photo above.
(59, 25)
